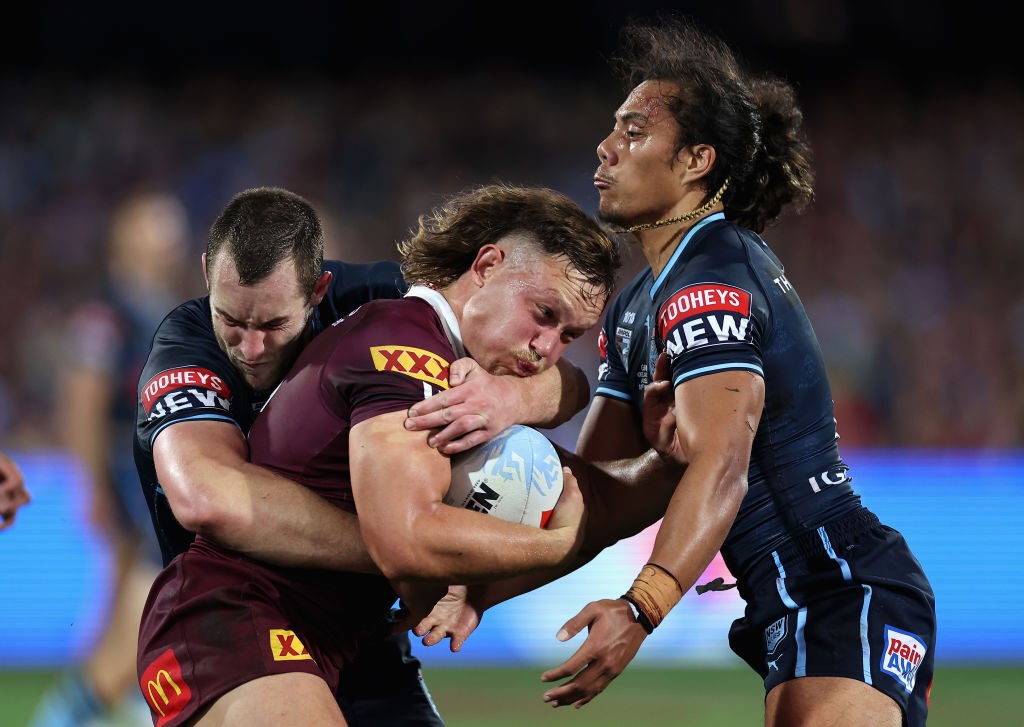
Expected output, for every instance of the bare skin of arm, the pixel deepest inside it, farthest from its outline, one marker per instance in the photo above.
(398, 482)
(214, 490)
(479, 405)
(623, 496)
(716, 418)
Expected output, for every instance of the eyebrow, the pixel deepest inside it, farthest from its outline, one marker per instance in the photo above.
(258, 324)
(565, 306)
(631, 116)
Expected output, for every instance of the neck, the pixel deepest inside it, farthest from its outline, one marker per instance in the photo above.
(658, 240)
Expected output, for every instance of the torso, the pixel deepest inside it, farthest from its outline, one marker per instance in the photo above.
(723, 303)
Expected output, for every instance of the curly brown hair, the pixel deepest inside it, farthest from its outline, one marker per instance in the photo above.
(447, 239)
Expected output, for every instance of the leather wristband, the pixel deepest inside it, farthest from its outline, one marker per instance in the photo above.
(654, 592)
(639, 615)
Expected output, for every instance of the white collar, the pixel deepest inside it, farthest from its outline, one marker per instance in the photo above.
(444, 311)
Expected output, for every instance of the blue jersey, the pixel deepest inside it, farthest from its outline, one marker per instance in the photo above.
(189, 378)
(723, 303)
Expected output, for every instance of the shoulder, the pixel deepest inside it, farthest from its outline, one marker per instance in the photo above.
(185, 338)
(380, 274)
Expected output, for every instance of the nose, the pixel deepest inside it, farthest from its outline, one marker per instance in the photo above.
(547, 344)
(251, 345)
(605, 151)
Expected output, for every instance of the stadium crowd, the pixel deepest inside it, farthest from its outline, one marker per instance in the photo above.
(910, 260)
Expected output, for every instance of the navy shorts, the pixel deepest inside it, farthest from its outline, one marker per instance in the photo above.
(846, 600)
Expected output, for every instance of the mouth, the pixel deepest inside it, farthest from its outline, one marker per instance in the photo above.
(526, 368)
(250, 367)
(602, 182)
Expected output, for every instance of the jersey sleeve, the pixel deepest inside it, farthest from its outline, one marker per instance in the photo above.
(187, 377)
(712, 315)
(353, 285)
(612, 378)
(397, 354)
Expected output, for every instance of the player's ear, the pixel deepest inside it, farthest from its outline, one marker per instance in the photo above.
(206, 278)
(696, 160)
(320, 288)
(488, 258)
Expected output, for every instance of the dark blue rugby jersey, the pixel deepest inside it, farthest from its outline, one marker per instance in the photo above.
(188, 378)
(723, 303)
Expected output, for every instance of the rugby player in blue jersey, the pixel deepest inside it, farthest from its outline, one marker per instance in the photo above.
(840, 617)
(215, 360)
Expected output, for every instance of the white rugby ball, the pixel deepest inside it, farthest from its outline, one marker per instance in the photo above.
(516, 476)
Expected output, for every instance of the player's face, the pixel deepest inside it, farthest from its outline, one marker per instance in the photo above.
(526, 313)
(260, 327)
(637, 178)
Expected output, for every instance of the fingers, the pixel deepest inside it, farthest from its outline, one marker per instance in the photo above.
(461, 370)
(662, 368)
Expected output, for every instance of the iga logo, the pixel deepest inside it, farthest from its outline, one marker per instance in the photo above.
(902, 657)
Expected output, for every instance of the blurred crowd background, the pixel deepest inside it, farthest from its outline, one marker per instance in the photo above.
(911, 261)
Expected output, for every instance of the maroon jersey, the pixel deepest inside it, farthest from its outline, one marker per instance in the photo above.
(384, 358)
(217, 619)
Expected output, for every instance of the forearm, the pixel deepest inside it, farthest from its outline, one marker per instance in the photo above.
(281, 522)
(453, 545)
(553, 397)
(622, 496)
(214, 490)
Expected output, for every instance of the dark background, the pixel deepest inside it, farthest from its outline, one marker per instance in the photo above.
(910, 261)
(816, 40)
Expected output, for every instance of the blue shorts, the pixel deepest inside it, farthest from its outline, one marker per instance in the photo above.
(846, 600)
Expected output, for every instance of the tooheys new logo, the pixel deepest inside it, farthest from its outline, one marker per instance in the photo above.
(702, 315)
(184, 388)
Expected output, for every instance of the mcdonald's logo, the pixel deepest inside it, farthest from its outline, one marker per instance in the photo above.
(286, 646)
(165, 688)
(414, 362)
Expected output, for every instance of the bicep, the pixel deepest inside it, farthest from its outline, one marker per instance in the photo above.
(395, 474)
(185, 455)
(719, 412)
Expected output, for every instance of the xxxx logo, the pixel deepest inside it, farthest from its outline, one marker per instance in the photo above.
(414, 362)
(165, 688)
(286, 646)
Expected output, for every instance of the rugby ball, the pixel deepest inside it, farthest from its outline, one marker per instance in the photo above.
(516, 476)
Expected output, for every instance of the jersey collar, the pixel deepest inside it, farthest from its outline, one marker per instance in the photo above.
(667, 270)
(444, 312)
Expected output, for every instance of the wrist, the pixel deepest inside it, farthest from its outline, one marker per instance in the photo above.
(655, 591)
(639, 616)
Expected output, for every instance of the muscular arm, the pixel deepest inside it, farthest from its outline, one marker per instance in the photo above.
(479, 405)
(398, 482)
(623, 495)
(716, 418)
(213, 490)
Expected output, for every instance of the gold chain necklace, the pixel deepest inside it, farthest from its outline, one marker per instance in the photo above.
(699, 212)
